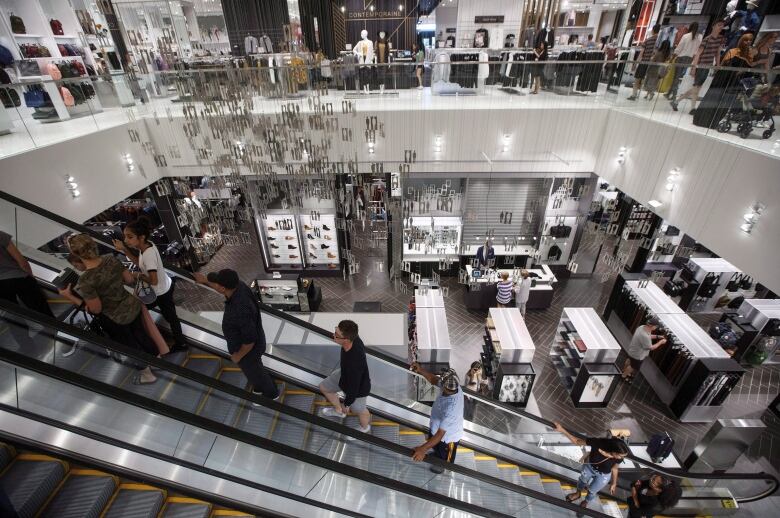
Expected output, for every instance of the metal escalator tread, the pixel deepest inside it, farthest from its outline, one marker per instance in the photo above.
(358, 452)
(178, 507)
(186, 394)
(510, 473)
(84, 494)
(106, 370)
(553, 488)
(256, 419)
(6, 455)
(30, 480)
(166, 381)
(288, 430)
(323, 442)
(532, 480)
(135, 501)
(222, 407)
(382, 462)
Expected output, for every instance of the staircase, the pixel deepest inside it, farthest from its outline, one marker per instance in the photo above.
(48, 487)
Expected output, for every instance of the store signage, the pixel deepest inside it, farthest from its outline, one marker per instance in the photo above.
(489, 19)
(451, 30)
(372, 15)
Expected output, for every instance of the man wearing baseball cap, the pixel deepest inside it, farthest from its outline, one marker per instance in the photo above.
(640, 347)
(243, 329)
(446, 417)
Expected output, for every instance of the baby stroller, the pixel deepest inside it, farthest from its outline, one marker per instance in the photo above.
(756, 105)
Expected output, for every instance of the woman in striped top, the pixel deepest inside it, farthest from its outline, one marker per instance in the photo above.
(504, 295)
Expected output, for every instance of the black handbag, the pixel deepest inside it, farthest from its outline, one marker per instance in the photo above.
(746, 283)
(734, 282)
(560, 231)
(709, 286)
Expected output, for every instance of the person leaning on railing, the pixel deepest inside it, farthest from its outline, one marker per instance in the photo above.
(16, 278)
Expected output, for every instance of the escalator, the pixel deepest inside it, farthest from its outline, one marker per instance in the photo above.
(52, 487)
(501, 442)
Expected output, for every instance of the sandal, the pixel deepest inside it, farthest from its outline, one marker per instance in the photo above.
(571, 497)
(138, 381)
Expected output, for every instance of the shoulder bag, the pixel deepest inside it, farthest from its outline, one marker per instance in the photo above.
(145, 292)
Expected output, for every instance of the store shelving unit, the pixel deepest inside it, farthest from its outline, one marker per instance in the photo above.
(281, 231)
(285, 292)
(703, 266)
(757, 325)
(316, 234)
(584, 354)
(692, 375)
(431, 238)
(508, 353)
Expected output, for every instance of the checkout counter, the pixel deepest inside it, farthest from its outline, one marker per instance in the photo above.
(481, 289)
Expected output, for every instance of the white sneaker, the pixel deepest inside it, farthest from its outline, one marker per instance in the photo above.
(367, 429)
(329, 411)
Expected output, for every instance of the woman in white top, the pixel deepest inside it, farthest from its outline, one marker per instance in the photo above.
(152, 271)
(523, 291)
(683, 54)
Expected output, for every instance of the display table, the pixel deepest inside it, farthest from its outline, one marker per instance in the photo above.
(710, 266)
(691, 374)
(287, 292)
(484, 298)
(433, 336)
(584, 354)
(508, 353)
(429, 299)
(757, 326)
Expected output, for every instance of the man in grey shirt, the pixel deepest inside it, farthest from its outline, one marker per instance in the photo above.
(640, 347)
(16, 278)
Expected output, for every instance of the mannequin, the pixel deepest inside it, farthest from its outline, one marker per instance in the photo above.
(364, 49)
(381, 48)
(740, 22)
(250, 44)
(485, 253)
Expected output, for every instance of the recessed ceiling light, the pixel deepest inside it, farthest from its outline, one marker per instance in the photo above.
(654, 203)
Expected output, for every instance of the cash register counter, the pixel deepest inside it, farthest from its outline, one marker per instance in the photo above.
(485, 297)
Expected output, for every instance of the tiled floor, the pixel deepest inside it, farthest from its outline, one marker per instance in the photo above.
(633, 406)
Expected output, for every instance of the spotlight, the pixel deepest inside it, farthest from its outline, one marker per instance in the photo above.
(654, 203)
(72, 186)
(752, 217)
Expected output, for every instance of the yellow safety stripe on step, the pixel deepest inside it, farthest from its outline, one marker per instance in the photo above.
(227, 512)
(461, 449)
(203, 401)
(483, 457)
(507, 466)
(622, 506)
(322, 403)
(298, 392)
(53, 493)
(410, 432)
(276, 417)
(58, 301)
(185, 500)
(551, 480)
(566, 487)
(383, 423)
(229, 369)
(529, 473)
(171, 382)
(37, 457)
(132, 486)
(91, 473)
(203, 356)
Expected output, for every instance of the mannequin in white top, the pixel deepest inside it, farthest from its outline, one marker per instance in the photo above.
(364, 49)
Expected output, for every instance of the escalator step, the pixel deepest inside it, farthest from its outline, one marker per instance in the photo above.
(486, 465)
(510, 473)
(288, 430)
(381, 461)
(465, 458)
(135, 501)
(553, 488)
(106, 370)
(321, 441)
(6, 455)
(611, 508)
(30, 480)
(256, 419)
(83, 495)
(222, 407)
(185, 394)
(177, 507)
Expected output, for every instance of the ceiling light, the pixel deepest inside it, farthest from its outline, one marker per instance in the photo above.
(343, 8)
(654, 203)
(371, 8)
(400, 7)
(670, 186)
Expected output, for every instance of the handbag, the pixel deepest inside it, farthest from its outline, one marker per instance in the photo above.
(17, 25)
(56, 27)
(733, 284)
(746, 283)
(34, 98)
(6, 58)
(67, 97)
(145, 292)
(53, 71)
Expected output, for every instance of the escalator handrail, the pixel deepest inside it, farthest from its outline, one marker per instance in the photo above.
(227, 431)
(183, 274)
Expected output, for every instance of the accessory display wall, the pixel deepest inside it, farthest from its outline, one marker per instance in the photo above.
(283, 240)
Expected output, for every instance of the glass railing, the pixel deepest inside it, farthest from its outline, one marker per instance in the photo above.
(68, 376)
(735, 105)
(499, 429)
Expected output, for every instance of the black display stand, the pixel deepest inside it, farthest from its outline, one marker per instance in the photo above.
(513, 383)
(594, 385)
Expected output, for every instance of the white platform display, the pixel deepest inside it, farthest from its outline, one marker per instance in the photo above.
(512, 334)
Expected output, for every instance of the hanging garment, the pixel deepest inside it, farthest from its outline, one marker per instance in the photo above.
(250, 45)
(265, 45)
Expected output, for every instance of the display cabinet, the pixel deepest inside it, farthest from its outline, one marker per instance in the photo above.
(757, 327)
(431, 238)
(283, 241)
(508, 351)
(584, 354)
(285, 292)
(513, 383)
(320, 240)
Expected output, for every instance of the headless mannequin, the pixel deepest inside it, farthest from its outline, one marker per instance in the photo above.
(364, 49)
(381, 48)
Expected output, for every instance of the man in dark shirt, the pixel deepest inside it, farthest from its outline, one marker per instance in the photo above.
(600, 466)
(352, 377)
(243, 329)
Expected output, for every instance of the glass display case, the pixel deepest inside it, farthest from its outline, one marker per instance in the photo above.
(285, 292)
(431, 238)
(320, 240)
(284, 244)
(514, 383)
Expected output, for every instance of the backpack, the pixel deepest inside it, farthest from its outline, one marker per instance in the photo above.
(67, 97)
(17, 25)
(6, 58)
(56, 27)
(53, 71)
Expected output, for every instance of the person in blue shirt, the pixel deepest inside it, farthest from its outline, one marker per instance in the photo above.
(446, 417)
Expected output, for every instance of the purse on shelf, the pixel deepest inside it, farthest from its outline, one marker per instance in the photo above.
(17, 25)
(734, 282)
(28, 67)
(53, 71)
(34, 98)
(56, 27)
(67, 97)
(746, 283)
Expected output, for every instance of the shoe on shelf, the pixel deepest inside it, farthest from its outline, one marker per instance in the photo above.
(271, 238)
(329, 411)
(274, 246)
(674, 105)
(325, 227)
(277, 256)
(309, 236)
(312, 247)
(272, 229)
(327, 237)
(631, 98)
(293, 256)
(312, 255)
(324, 246)
(289, 238)
(306, 227)
(331, 256)
(291, 247)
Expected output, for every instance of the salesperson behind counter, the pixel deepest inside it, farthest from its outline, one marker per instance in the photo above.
(485, 253)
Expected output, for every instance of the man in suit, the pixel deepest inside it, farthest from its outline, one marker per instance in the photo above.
(485, 253)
